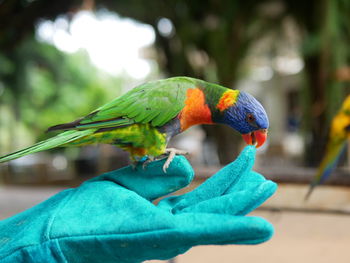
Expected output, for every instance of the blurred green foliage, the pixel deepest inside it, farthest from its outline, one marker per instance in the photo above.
(41, 87)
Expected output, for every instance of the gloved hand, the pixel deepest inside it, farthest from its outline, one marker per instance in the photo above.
(111, 218)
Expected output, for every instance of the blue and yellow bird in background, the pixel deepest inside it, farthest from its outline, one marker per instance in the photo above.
(338, 138)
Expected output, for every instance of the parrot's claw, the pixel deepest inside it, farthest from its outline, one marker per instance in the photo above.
(138, 161)
(145, 163)
(171, 154)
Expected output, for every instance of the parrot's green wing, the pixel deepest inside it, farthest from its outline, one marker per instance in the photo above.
(154, 102)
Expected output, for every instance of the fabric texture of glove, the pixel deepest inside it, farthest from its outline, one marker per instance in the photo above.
(111, 218)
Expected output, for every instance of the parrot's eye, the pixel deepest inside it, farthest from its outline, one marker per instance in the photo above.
(250, 118)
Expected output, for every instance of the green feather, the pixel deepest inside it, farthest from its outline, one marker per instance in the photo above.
(154, 102)
(106, 124)
(53, 142)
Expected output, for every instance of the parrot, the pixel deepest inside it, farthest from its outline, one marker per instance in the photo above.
(144, 119)
(338, 136)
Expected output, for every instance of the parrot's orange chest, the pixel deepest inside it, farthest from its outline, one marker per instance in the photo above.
(196, 111)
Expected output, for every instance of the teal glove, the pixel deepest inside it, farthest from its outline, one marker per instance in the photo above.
(111, 218)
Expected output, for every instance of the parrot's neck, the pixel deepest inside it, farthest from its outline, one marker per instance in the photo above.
(225, 100)
(204, 104)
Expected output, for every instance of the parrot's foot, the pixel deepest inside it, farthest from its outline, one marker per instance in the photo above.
(171, 154)
(168, 155)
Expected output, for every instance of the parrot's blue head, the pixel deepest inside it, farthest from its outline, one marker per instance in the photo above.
(248, 117)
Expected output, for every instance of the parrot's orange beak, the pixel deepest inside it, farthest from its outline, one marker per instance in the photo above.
(256, 138)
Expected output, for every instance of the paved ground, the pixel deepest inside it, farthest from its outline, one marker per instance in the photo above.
(300, 237)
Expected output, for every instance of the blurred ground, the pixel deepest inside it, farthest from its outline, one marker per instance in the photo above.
(15, 199)
(304, 233)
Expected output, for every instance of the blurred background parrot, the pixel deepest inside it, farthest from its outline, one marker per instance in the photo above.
(143, 120)
(338, 137)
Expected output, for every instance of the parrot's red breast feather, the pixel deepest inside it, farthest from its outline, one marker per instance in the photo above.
(196, 111)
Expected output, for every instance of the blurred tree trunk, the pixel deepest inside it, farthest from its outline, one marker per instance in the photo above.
(16, 84)
(316, 117)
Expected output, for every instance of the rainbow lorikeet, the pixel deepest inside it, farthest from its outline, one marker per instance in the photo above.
(143, 120)
(338, 136)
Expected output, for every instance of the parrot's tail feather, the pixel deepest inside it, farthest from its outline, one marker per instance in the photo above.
(327, 166)
(53, 142)
(113, 123)
(64, 126)
(309, 192)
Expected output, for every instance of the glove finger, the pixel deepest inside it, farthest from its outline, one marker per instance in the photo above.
(219, 183)
(246, 181)
(239, 202)
(206, 228)
(152, 182)
(243, 190)
(192, 229)
(176, 235)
